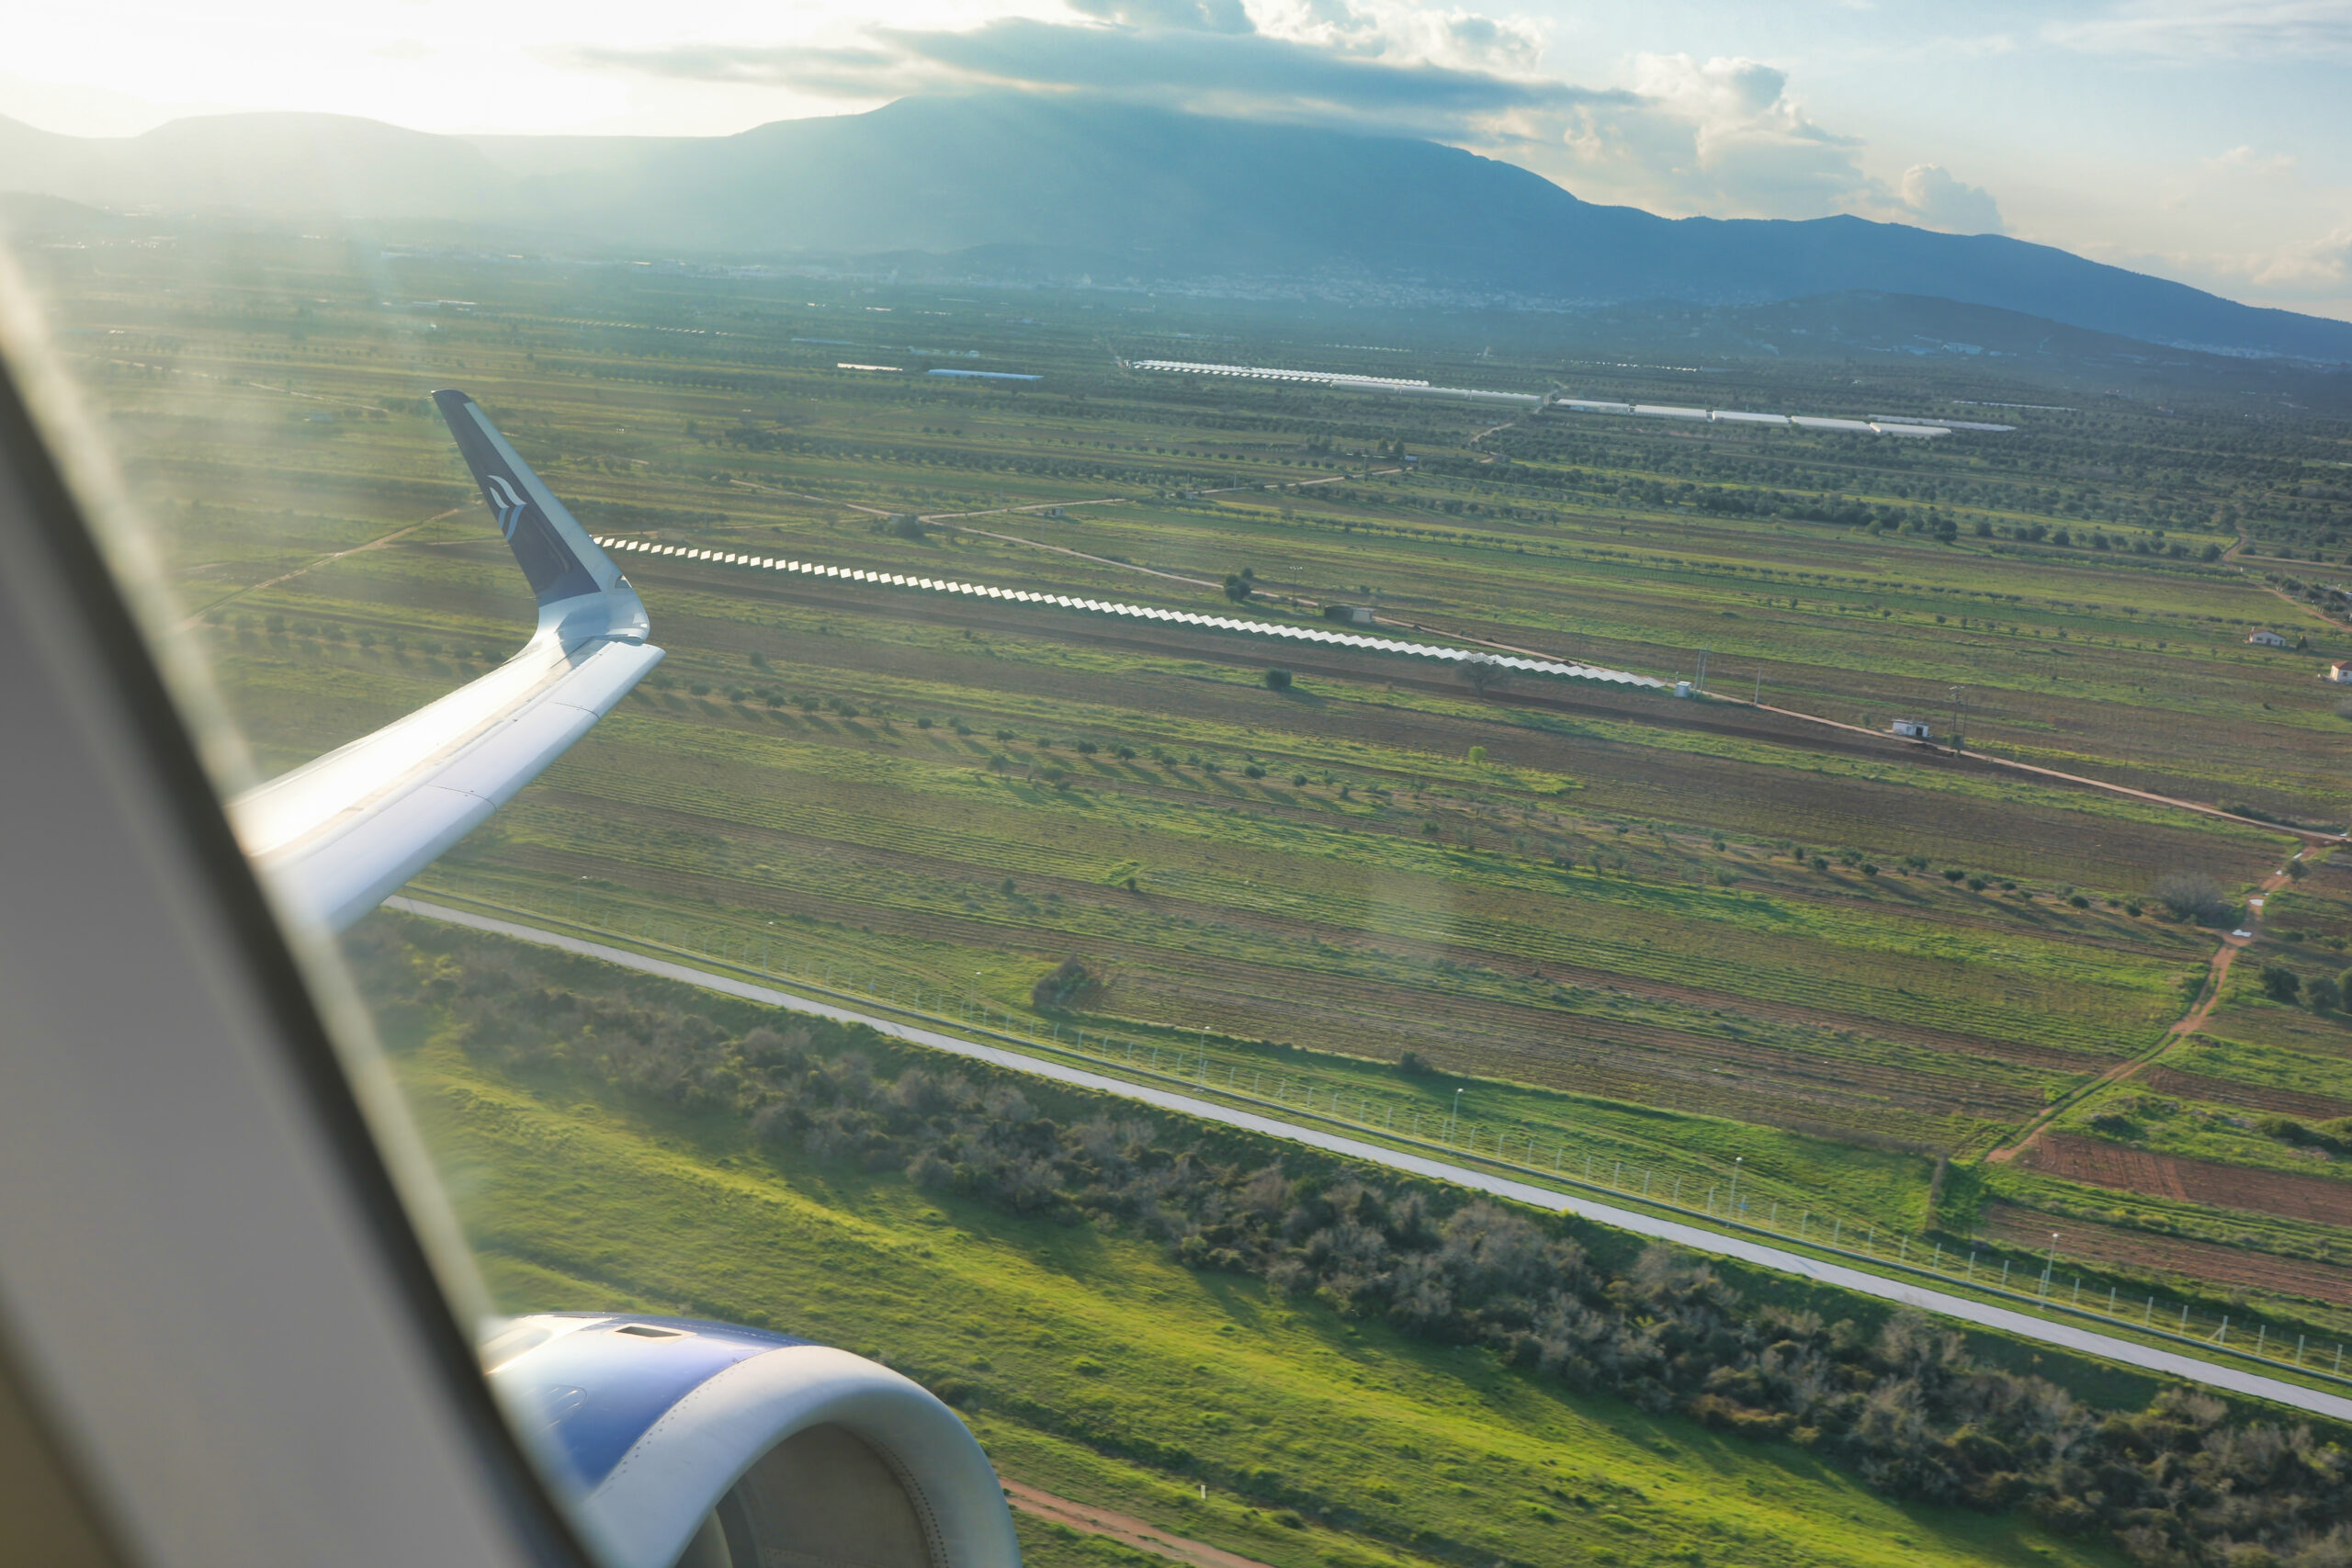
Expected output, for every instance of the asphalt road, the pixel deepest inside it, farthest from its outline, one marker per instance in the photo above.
(2148, 1358)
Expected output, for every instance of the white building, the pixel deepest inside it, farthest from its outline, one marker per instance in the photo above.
(1913, 730)
(2341, 672)
(2266, 638)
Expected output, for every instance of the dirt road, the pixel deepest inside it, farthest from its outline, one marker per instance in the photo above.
(1126, 1528)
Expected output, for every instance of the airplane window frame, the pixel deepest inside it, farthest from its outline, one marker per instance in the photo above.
(103, 767)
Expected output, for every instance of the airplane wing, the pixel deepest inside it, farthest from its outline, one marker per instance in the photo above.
(339, 833)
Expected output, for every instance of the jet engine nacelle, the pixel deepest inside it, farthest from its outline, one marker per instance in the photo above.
(701, 1445)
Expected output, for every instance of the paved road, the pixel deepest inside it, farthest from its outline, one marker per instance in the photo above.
(2024, 1326)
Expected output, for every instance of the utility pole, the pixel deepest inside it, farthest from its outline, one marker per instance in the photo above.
(1959, 706)
(1737, 1160)
(1700, 684)
(1449, 1115)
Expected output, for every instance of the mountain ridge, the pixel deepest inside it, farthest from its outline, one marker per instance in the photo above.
(1169, 196)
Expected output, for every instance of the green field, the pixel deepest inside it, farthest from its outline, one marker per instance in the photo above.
(1662, 935)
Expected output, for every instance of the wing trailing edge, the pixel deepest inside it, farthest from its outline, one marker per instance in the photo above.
(337, 835)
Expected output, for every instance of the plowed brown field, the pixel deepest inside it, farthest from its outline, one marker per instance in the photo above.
(2255, 1097)
(2101, 1164)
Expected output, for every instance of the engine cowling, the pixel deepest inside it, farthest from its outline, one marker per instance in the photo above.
(690, 1444)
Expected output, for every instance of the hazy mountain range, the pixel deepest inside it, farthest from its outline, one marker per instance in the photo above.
(1024, 185)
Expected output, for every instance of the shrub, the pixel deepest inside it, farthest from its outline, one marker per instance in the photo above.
(2192, 896)
(1277, 680)
(1238, 588)
(923, 723)
(2076, 901)
(2279, 983)
(1070, 982)
(1253, 771)
(2322, 994)
(1954, 873)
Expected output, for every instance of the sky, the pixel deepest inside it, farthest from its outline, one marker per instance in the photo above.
(2207, 141)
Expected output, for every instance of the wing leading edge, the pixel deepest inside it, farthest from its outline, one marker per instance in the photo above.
(339, 833)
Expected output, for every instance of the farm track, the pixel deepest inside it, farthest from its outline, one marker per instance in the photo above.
(2208, 997)
(2318, 1198)
(2112, 1247)
(1125, 1528)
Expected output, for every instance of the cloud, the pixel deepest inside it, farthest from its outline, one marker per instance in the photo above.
(1722, 136)
(2193, 33)
(1937, 200)
(1248, 73)
(1178, 16)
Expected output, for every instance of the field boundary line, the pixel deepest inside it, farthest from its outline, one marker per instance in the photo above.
(1783, 1259)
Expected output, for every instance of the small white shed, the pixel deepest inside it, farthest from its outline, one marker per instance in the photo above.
(1913, 730)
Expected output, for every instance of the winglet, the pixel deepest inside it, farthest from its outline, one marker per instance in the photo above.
(578, 586)
(340, 832)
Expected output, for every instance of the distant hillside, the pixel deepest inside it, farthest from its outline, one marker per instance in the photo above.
(1056, 186)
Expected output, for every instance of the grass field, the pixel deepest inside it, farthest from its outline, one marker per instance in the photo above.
(1673, 932)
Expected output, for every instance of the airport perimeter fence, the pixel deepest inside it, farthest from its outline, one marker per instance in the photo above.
(1710, 1196)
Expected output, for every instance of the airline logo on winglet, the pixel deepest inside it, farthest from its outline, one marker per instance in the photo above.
(504, 502)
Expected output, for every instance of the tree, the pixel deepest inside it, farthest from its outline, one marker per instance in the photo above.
(1238, 588)
(1277, 680)
(2279, 983)
(2192, 896)
(2322, 995)
(1481, 675)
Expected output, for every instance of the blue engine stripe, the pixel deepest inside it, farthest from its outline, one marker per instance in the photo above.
(594, 1392)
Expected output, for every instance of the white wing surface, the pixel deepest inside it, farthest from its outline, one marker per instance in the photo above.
(340, 833)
